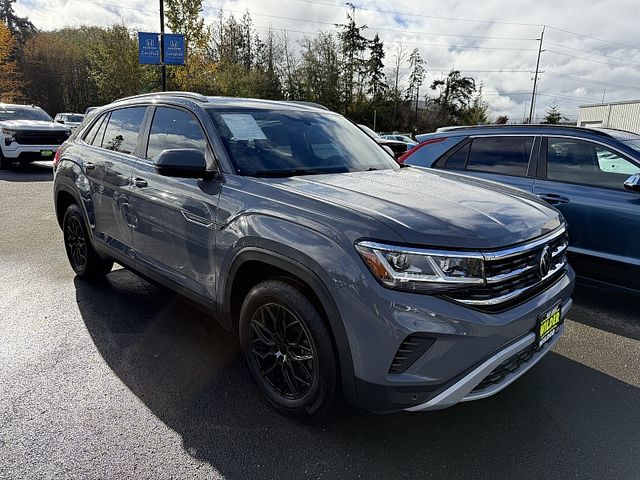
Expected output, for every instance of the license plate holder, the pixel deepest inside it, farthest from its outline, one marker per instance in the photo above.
(548, 324)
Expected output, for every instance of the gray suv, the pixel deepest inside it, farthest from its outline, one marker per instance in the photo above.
(343, 274)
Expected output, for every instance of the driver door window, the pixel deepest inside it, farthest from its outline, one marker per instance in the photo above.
(578, 161)
(171, 129)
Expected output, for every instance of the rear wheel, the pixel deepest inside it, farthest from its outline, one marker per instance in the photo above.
(84, 260)
(288, 349)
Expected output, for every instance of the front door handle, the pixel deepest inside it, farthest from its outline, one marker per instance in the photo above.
(553, 198)
(140, 182)
(89, 166)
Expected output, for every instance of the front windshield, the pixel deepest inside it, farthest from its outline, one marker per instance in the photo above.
(276, 143)
(22, 113)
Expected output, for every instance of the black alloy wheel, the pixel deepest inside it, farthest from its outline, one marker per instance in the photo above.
(289, 350)
(84, 260)
(283, 350)
(76, 243)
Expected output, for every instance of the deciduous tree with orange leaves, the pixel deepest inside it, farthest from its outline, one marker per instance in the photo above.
(10, 84)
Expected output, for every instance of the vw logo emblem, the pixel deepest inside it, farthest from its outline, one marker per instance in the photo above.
(545, 261)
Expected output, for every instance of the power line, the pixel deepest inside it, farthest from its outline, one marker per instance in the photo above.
(593, 38)
(593, 53)
(412, 14)
(596, 82)
(592, 60)
(104, 4)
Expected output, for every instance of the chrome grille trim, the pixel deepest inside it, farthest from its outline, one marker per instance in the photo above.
(516, 293)
(511, 252)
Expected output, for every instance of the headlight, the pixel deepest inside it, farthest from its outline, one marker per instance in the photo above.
(417, 269)
(9, 134)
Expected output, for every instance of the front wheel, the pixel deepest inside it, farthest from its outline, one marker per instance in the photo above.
(84, 260)
(288, 349)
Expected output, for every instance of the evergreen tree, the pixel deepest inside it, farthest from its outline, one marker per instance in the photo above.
(353, 45)
(21, 27)
(417, 74)
(553, 115)
(377, 83)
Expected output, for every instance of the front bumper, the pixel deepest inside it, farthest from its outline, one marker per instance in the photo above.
(469, 344)
(464, 390)
(27, 153)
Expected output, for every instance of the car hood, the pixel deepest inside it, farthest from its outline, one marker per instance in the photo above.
(433, 208)
(33, 125)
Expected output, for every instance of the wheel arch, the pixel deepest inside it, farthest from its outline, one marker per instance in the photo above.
(253, 265)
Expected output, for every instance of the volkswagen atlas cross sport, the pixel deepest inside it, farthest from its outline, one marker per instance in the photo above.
(342, 273)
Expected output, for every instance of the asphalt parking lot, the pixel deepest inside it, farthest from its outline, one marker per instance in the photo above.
(123, 379)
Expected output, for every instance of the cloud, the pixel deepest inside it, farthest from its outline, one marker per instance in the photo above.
(577, 69)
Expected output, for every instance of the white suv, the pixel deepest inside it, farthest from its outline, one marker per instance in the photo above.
(28, 134)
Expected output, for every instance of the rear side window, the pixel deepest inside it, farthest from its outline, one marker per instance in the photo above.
(123, 128)
(458, 159)
(172, 128)
(90, 136)
(503, 155)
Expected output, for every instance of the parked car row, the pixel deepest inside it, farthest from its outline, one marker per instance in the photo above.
(342, 273)
(591, 175)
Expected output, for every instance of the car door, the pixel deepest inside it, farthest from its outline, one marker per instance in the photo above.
(174, 232)
(507, 159)
(585, 181)
(108, 162)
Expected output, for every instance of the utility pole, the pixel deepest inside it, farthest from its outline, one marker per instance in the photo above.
(375, 114)
(535, 78)
(163, 66)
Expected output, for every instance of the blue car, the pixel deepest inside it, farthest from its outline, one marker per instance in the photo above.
(591, 175)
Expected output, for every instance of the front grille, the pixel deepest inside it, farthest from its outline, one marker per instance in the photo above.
(510, 365)
(38, 137)
(515, 275)
(411, 349)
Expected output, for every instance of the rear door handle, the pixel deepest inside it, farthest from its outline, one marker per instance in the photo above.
(553, 198)
(89, 166)
(140, 182)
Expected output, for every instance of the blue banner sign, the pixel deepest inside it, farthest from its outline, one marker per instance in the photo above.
(174, 49)
(148, 48)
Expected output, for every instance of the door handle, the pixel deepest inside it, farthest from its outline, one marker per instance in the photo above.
(89, 166)
(553, 198)
(140, 182)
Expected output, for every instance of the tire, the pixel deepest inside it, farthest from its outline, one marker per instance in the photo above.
(84, 260)
(278, 357)
(4, 163)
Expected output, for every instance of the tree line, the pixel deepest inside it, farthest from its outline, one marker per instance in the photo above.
(70, 69)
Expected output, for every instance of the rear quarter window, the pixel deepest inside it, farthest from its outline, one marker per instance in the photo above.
(427, 155)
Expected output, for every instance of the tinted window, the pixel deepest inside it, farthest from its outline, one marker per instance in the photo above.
(90, 136)
(122, 130)
(292, 142)
(584, 162)
(172, 128)
(458, 159)
(504, 155)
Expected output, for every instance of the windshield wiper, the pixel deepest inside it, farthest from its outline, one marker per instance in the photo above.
(287, 172)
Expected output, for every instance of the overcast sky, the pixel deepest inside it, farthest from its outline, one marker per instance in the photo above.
(480, 38)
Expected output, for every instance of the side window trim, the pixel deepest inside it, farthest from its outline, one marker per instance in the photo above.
(98, 121)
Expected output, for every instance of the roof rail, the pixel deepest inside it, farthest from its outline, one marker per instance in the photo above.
(308, 104)
(190, 95)
(517, 126)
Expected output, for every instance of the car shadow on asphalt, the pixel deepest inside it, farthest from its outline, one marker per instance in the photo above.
(28, 172)
(561, 420)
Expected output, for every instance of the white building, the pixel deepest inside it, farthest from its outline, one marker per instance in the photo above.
(621, 115)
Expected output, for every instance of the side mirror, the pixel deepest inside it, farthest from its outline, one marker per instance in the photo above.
(387, 149)
(182, 163)
(633, 183)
